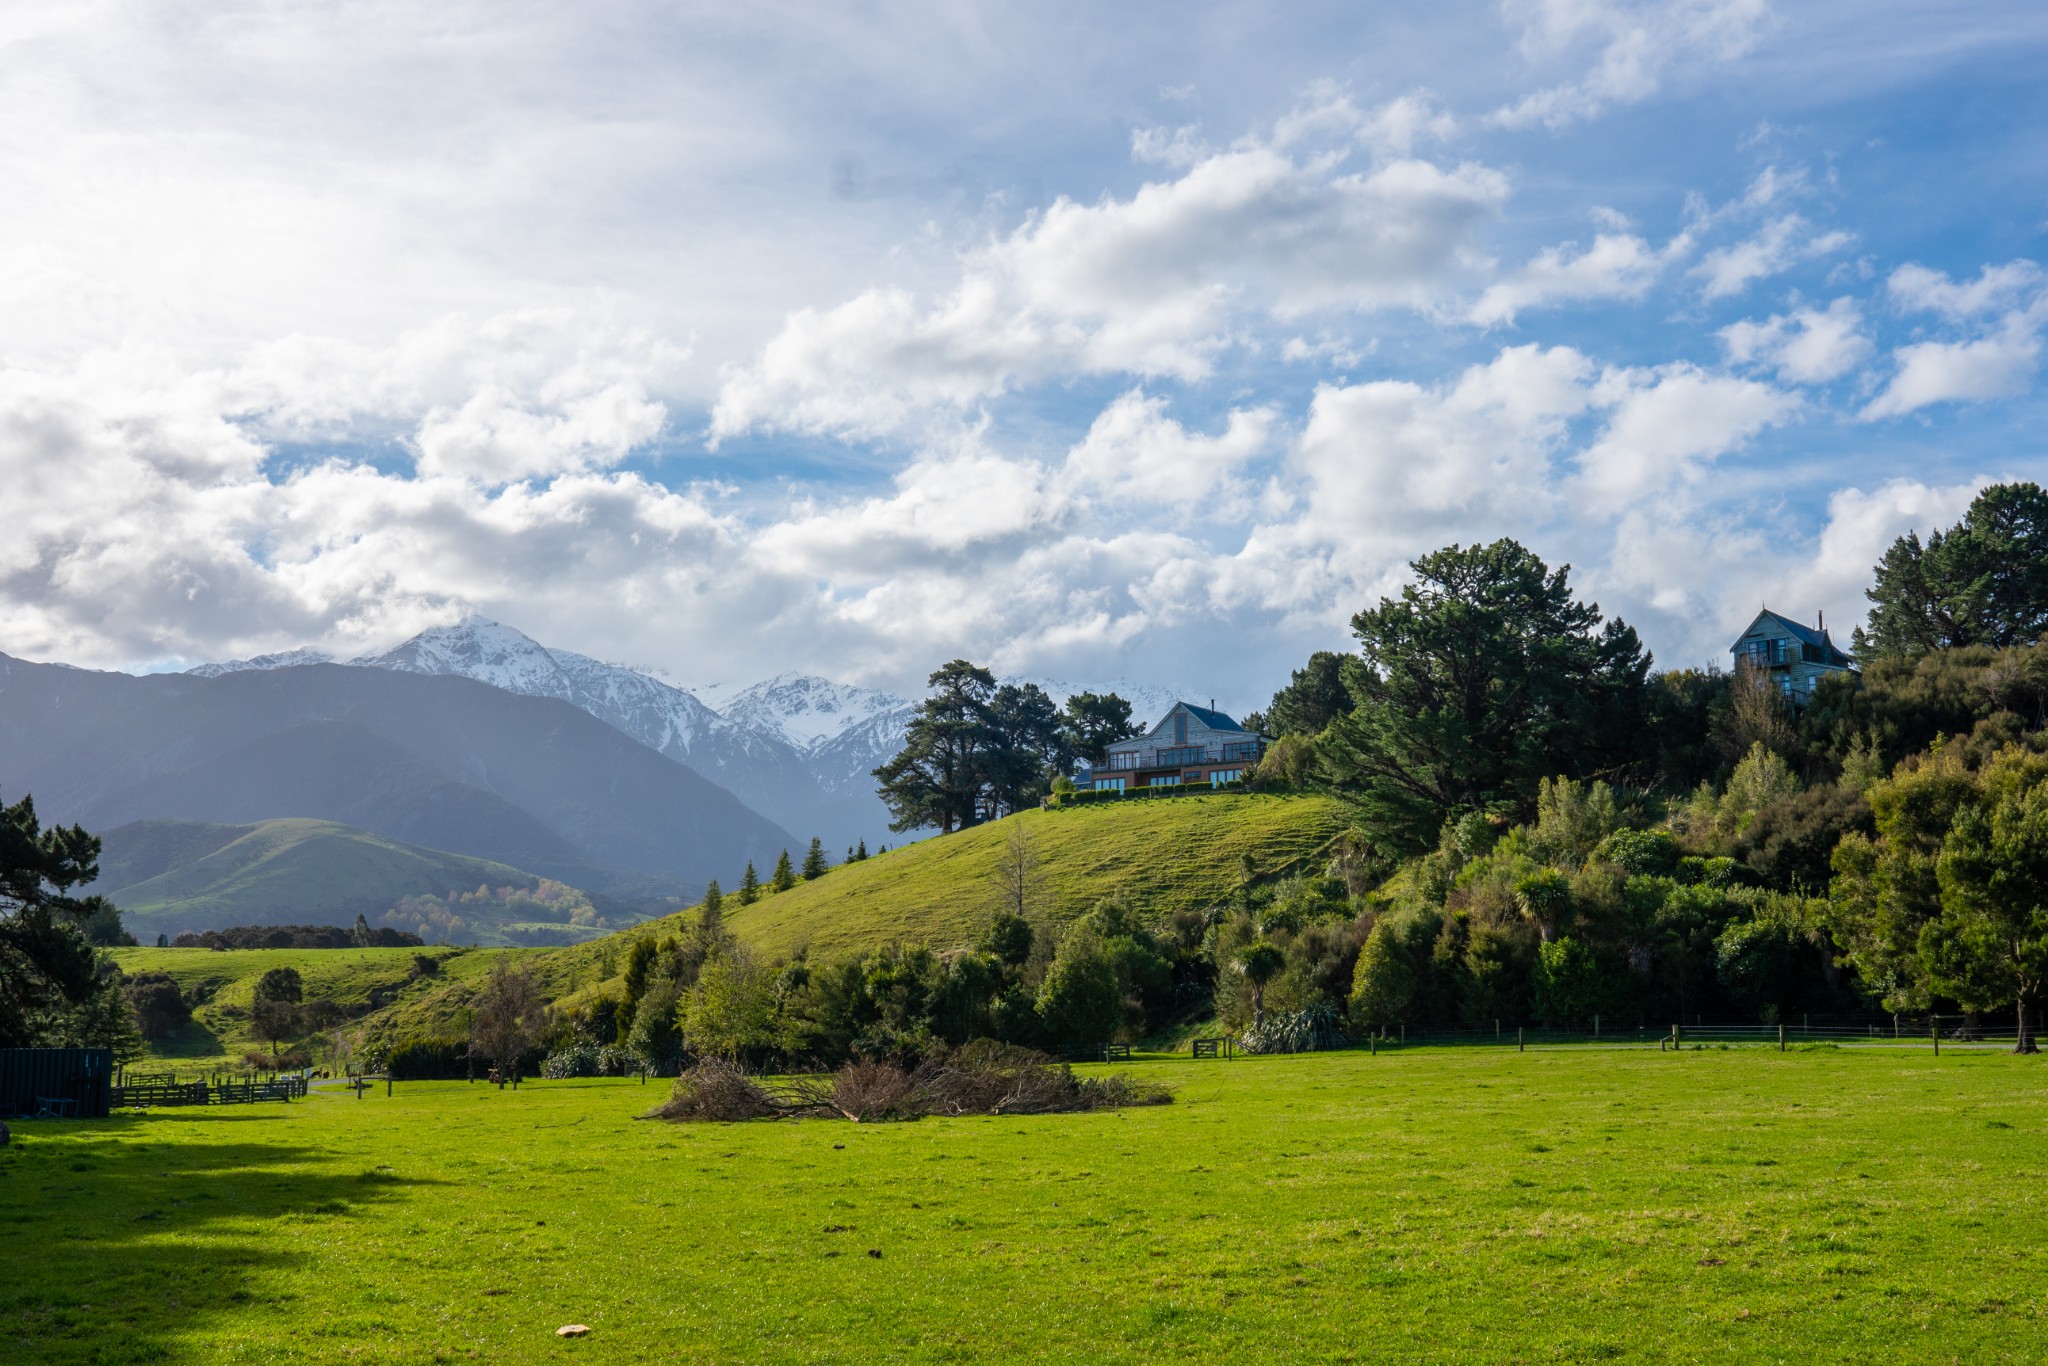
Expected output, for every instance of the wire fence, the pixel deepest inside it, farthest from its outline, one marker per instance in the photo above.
(1924, 1033)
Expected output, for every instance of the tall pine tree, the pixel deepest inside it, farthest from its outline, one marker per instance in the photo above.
(814, 860)
(750, 885)
(784, 876)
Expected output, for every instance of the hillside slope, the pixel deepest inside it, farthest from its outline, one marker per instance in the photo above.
(1183, 854)
(172, 876)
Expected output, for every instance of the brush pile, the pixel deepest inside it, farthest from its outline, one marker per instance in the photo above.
(984, 1078)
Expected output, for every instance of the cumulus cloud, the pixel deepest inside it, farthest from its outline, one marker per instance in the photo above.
(1147, 286)
(1632, 49)
(1135, 454)
(1775, 247)
(1995, 358)
(1806, 346)
(1618, 265)
(1667, 424)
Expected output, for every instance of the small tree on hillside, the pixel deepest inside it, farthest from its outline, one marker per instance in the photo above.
(1079, 1003)
(274, 1016)
(160, 1008)
(1019, 883)
(784, 876)
(814, 860)
(1259, 964)
(860, 851)
(750, 886)
(507, 1016)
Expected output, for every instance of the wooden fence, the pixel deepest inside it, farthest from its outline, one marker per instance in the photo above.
(163, 1091)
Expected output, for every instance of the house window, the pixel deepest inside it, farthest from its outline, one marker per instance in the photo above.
(1180, 728)
(1109, 784)
(1241, 749)
(1173, 758)
(1167, 780)
(1226, 775)
(1123, 758)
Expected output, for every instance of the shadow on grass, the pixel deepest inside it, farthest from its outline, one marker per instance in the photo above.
(128, 1239)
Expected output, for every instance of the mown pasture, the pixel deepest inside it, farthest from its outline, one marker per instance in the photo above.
(1438, 1204)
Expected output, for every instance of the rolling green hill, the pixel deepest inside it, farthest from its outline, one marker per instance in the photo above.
(364, 982)
(169, 877)
(1181, 854)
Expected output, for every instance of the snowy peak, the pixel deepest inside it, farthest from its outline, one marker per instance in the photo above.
(483, 650)
(807, 712)
(287, 659)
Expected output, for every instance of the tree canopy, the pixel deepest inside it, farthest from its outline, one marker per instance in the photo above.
(48, 969)
(1984, 581)
(1485, 677)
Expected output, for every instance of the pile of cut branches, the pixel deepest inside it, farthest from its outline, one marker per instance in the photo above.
(983, 1078)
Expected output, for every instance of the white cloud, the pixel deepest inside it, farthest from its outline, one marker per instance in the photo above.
(1993, 366)
(1146, 286)
(1618, 265)
(1632, 47)
(1807, 346)
(1916, 287)
(1135, 454)
(1667, 424)
(1775, 247)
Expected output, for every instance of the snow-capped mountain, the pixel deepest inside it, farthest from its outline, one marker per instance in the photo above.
(284, 660)
(797, 748)
(807, 712)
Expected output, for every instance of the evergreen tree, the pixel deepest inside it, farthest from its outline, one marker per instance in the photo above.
(360, 935)
(1315, 696)
(47, 965)
(750, 885)
(860, 851)
(1483, 678)
(784, 876)
(1984, 581)
(939, 776)
(1090, 723)
(814, 860)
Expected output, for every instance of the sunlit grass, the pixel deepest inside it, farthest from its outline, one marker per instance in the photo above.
(1422, 1205)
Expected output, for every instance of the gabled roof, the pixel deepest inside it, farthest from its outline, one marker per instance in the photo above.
(1214, 720)
(1806, 634)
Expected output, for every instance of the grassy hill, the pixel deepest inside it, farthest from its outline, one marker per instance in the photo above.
(364, 982)
(1167, 856)
(172, 876)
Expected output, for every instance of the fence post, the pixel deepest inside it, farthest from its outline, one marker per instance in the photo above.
(1934, 1030)
(1520, 1047)
(387, 1084)
(1781, 1038)
(1596, 1026)
(1372, 1044)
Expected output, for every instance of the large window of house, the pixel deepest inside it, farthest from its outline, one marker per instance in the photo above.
(1180, 728)
(1123, 758)
(1167, 780)
(1226, 775)
(1241, 749)
(1186, 754)
(1109, 784)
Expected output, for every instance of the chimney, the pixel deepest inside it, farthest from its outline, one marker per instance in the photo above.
(1820, 621)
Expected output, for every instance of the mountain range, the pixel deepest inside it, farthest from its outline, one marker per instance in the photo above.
(797, 748)
(436, 761)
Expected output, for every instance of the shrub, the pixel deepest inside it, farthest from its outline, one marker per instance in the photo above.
(427, 1059)
(982, 1078)
(1295, 1031)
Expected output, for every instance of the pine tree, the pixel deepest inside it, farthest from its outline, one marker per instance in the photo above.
(860, 851)
(784, 876)
(711, 915)
(814, 861)
(750, 885)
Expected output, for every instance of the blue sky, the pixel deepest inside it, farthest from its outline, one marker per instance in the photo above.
(1144, 341)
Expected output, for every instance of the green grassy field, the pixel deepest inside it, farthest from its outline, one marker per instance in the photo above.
(1469, 1205)
(364, 979)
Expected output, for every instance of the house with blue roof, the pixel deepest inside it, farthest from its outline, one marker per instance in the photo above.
(1792, 655)
(1190, 744)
